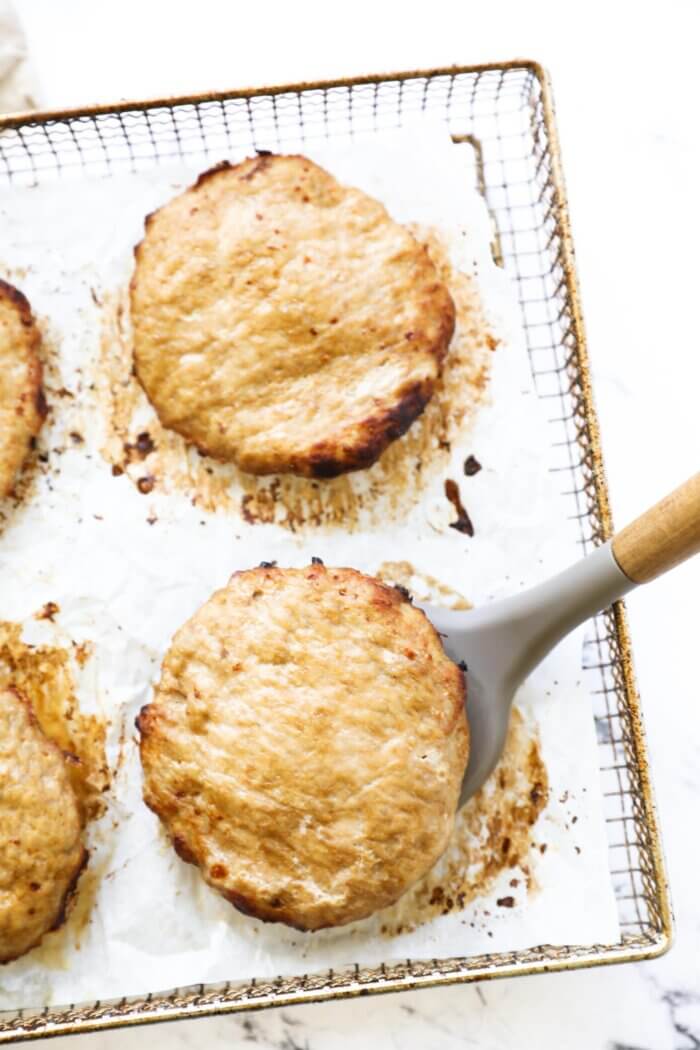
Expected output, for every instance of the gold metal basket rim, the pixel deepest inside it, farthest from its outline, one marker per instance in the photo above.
(45, 116)
(159, 1008)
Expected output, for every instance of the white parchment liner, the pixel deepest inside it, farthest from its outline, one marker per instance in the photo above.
(82, 540)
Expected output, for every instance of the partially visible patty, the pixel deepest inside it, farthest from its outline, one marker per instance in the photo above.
(284, 321)
(306, 744)
(41, 836)
(22, 406)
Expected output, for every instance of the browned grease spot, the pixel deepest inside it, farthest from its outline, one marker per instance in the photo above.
(421, 585)
(463, 522)
(52, 952)
(43, 674)
(82, 651)
(142, 447)
(24, 486)
(387, 490)
(493, 832)
(47, 612)
(471, 466)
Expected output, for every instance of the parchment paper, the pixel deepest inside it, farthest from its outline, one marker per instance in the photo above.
(83, 540)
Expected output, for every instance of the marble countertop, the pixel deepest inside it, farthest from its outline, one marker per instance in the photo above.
(626, 99)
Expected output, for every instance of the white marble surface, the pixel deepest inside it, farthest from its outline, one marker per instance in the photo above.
(627, 93)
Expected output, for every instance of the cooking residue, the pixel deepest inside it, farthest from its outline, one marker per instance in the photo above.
(53, 952)
(463, 522)
(421, 585)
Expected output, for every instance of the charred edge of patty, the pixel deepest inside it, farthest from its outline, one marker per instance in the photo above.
(18, 299)
(378, 432)
(382, 594)
(270, 912)
(63, 909)
(249, 167)
(460, 708)
(325, 460)
(328, 459)
(71, 891)
(183, 851)
(36, 381)
(316, 570)
(142, 720)
(259, 164)
(145, 722)
(36, 378)
(42, 409)
(204, 176)
(448, 320)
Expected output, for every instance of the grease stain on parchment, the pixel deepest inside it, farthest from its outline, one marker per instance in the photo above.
(421, 585)
(54, 950)
(137, 445)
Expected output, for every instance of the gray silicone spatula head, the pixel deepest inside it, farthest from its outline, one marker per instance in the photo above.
(502, 642)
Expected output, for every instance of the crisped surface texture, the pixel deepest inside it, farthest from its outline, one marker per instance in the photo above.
(21, 401)
(41, 845)
(306, 744)
(284, 321)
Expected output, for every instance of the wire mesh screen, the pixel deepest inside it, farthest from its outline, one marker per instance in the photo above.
(503, 112)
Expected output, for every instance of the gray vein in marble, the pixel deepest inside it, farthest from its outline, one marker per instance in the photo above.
(676, 1001)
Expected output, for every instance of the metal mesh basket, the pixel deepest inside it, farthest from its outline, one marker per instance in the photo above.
(505, 111)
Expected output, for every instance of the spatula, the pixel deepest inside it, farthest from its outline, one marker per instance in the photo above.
(503, 642)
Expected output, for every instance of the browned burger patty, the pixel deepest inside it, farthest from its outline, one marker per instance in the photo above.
(22, 407)
(286, 322)
(41, 838)
(306, 744)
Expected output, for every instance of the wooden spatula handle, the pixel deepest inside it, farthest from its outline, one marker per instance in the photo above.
(665, 535)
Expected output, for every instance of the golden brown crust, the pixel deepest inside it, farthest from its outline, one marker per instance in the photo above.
(306, 744)
(22, 404)
(41, 837)
(284, 321)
